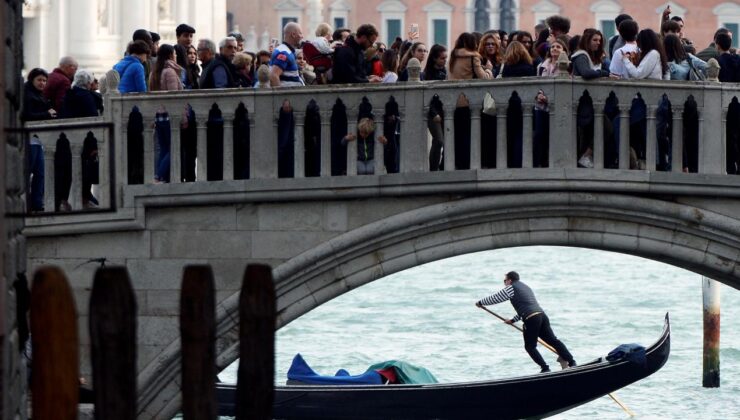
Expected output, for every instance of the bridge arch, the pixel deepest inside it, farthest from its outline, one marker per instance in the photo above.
(681, 235)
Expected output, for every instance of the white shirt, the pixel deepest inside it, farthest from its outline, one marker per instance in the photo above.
(617, 65)
(390, 77)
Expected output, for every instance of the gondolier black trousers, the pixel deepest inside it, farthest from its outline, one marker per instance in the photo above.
(539, 326)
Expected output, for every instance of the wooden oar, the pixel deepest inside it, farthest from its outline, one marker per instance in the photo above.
(549, 347)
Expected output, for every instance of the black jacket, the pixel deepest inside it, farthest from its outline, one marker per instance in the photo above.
(79, 102)
(349, 63)
(729, 68)
(520, 69)
(35, 106)
(206, 79)
(435, 74)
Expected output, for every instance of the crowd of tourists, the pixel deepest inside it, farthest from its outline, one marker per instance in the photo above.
(336, 56)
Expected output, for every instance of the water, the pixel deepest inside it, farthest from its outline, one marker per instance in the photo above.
(595, 300)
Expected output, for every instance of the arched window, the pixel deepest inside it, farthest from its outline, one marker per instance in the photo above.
(439, 16)
(392, 17)
(482, 16)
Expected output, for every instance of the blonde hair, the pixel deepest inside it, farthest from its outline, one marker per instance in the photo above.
(242, 60)
(323, 29)
(515, 53)
(366, 125)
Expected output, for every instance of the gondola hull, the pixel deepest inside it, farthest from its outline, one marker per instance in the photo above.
(535, 396)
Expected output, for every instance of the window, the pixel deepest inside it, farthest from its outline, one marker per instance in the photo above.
(733, 27)
(393, 30)
(604, 13)
(608, 28)
(392, 14)
(440, 31)
(339, 13)
(339, 23)
(285, 20)
(544, 9)
(439, 16)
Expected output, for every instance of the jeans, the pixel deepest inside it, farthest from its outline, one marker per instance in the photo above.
(36, 171)
(366, 167)
(164, 135)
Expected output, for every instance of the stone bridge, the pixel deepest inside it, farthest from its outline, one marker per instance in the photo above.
(326, 235)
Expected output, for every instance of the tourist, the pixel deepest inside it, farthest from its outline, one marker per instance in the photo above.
(418, 51)
(729, 63)
(131, 68)
(220, 72)
(491, 53)
(682, 65)
(389, 60)
(651, 60)
(711, 50)
(616, 42)
(588, 59)
(60, 81)
(243, 65)
(628, 30)
(166, 72)
(517, 61)
(284, 70)
(465, 62)
(35, 106)
(436, 68)
(239, 40)
(526, 39)
(349, 60)
(206, 53)
(79, 101)
(549, 67)
(305, 70)
(365, 146)
(184, 34)
(558, 25)
(536, 322)
(323, 40)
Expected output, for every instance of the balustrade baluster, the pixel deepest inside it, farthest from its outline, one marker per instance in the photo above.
(75, 193)
(652, 147)
(326, 143)
(228, 163)
(49, 150)
(352, 145)
(299, 146)
(475, 139)
(104, 179)
(175, 148)
(677, 152)
(713, 136)
(598, 136)
(501, 153)
(202, 149)
(149, 140)
(378, 148)
(414, 143)
(449, 148)
(527, 136)
(624, 137)
(122, 151)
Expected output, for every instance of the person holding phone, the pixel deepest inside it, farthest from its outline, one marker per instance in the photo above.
(349, 60)
(284, 69)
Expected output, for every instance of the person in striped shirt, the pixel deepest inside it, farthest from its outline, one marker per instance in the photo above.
(536, 322)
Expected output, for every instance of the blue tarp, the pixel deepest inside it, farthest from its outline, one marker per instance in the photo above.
(405, 373)
(634, 353)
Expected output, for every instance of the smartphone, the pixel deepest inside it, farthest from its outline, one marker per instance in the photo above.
(414, 28)
(274, 42)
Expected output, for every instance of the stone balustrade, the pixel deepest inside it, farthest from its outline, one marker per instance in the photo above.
(254, 155)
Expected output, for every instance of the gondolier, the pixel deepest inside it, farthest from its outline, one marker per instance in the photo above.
(536, 322)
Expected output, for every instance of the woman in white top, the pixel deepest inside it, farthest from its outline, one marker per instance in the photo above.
(652, 63)
(389, 60)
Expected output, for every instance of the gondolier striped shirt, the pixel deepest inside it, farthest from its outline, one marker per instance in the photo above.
(521, 297)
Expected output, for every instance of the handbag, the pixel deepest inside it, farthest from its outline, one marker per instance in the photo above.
(694, 74)
(489, 105)
(500, 74)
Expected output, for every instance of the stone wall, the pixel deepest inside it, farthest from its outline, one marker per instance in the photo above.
(12, 371)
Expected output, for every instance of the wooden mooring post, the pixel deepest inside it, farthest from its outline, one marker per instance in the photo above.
(55, 367)
(711, 310)
(255, 383)
(198, 338)
(113, 344)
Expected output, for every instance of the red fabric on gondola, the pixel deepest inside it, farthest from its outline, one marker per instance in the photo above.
(389, 374)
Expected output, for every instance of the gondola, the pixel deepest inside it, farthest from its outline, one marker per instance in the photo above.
(534, 396)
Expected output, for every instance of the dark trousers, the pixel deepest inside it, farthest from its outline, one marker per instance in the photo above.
(539, 326)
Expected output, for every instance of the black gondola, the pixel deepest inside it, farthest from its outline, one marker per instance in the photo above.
(535, 396)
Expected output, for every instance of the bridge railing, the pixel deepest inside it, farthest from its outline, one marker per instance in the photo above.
(239, 134)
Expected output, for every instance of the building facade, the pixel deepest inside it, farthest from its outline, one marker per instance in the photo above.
(96, 32)
(441, 21)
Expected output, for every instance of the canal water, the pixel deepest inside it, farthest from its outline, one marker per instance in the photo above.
(595, 300)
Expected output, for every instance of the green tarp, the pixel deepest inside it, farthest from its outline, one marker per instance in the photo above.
(406, 372)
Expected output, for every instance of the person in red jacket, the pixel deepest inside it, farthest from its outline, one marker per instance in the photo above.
(60, 81)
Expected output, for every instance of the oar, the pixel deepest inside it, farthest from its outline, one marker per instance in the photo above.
(549, 347)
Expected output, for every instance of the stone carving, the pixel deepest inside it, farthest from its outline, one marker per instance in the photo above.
(563, 64)
(414, 69)
(713, 70)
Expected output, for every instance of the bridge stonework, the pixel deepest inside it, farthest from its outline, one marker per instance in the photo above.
(325, 236)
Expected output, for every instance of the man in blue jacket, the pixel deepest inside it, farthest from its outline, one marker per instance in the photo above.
(131, 68)
(536, 323)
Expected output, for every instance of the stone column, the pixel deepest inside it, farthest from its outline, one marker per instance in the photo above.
(624, 137)
(474, 137)
(299, 146)
(201, 162)
(449, 131)
(598, 136)
(326, 143)
(677, 146)
(501, 160)
(228, 162)
(379, 148)
(527, 136)
(712, 135)
(352, 145)
(562, 126)
(651, 146)
(175, 148)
